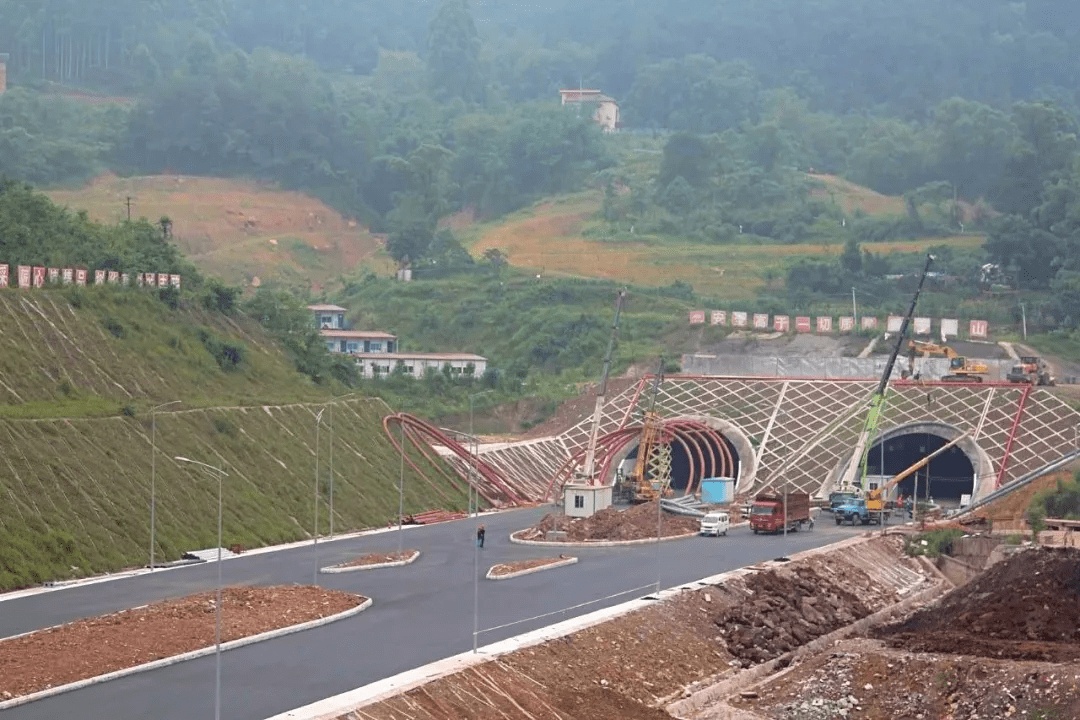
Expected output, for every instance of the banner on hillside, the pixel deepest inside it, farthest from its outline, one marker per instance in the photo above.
(718, 317)
(978, 329)
(125, 279)
(781, 323)
(39, 276)
(99, 277)
(80, 276)
(847, 324)
(950, 328)
(67, 276)
(54, 276)
(114, 277)
(24, 276)
(697, 317)
(163, 281)
(761, 321)
(824, 324)
(894, 323)
(738, 319)
(922, 325)
(4, 270)
(150, 279)
(869, 323)
(802, 324)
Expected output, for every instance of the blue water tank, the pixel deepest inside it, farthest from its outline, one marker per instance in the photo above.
(715, 491)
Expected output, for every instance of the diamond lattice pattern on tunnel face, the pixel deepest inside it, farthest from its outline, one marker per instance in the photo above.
(816, 423)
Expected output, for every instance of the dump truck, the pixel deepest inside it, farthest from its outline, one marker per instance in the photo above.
(767, 512)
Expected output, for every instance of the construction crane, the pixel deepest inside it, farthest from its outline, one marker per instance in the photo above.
(855, 473)
(588, 471)
(875, 499)
(961, 369)
(651, 477)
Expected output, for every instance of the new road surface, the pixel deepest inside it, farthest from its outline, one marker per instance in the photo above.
(423, 612)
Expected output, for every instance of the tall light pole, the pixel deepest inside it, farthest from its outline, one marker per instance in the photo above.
(153, 474)
(475, 449)
(331, 404)
(217, 605)
(315, 529)
(401, 487)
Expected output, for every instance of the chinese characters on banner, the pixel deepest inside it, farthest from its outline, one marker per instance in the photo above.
(869, 323)
(163, 281)
(950, 328)
(802, 324)
(718, 317)
(99, 277)
(80, 276)
(738, 319)
(922, 325)
(114, 277)
(761, 321)
(824, 324)
(4, 276)
(847, 324)
(697, 317)
(781, 323)
(24, 276)
(39, 276)
(894, 323)
(67, 275)
(978, 328)
(54, 276)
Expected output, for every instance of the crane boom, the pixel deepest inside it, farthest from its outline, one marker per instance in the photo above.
(875, 498)
(856, 469)
(589, 469)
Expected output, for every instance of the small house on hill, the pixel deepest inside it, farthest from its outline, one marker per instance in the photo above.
(605, 110)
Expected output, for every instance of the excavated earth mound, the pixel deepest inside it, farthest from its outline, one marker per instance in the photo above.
(1024, 608)
(635, 523)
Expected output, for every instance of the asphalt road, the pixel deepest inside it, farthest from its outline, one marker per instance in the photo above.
(422, 613)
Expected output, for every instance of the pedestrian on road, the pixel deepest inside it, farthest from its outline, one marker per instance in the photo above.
(480, 536)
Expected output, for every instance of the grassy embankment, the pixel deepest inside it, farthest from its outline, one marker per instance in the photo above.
(79, 371)
(559, 237)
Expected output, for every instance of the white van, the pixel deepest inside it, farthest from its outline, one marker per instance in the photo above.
(715, 523)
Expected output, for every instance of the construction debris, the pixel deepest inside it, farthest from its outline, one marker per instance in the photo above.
(433, 516)
(638, 522)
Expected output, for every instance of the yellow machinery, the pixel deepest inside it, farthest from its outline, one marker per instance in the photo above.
(875, 499)
(961, 369)
(651, 475)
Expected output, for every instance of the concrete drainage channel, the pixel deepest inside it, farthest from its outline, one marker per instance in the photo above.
(530, 670)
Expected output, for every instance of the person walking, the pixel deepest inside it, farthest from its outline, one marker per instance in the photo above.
(480, 536)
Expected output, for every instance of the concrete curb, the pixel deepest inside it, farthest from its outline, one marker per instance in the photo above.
(713, 695)
(529, 571)
(175, 659)
(331, 569)
(597, 543)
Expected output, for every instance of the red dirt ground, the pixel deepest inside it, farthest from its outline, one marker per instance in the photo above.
(379, 558)
(95, 646)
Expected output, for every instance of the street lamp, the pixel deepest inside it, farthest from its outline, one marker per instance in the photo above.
(472, 466)
(401, 486)
(331, 404)
(315, 529)
(153, 474)
(217, 606)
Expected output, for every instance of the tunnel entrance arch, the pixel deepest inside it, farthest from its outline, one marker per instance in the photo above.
(963, 469)
(696, 455)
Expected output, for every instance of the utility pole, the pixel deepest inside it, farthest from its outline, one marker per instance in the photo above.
(854, 309)
(128, 203)
(1023, 318)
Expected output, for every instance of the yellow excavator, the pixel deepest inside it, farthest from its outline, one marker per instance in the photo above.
(961, 369)
(644, 487)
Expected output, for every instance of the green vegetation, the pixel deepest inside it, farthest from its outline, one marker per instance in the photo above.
(77, 491)
(932, 544)
(1062, 502)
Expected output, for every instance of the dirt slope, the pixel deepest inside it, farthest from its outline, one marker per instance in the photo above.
(238, 230)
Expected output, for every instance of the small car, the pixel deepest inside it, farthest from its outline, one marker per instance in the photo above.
(715, 523)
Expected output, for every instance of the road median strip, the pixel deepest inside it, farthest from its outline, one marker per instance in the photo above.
(350, 567)
(550, 564)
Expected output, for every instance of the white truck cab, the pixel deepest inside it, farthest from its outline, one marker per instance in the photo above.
(715, 523)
